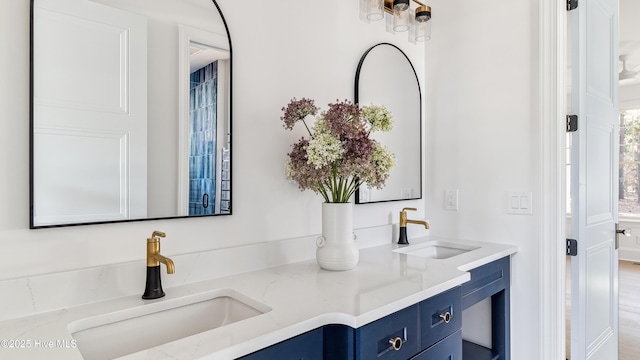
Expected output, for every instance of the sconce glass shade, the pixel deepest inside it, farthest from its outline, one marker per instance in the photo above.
(375, 9)
(423, 23)
(401, 20)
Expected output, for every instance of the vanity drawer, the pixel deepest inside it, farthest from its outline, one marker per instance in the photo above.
(307, 346)
(450, 348)
(486, 281)
(440, 316)
(372, 340)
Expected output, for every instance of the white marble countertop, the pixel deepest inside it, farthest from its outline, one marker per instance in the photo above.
(301, 296)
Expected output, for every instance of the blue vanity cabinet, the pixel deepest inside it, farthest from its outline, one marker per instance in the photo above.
(425, 329)
(307, 346)
(429, 330)
(490, 281)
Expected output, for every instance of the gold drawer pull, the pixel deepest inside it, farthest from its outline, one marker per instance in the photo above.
(396, 343)
(446, 316)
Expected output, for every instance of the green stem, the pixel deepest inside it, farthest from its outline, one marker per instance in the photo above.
(323, 192)
(309, 131)
(334, 187)
(353, 185)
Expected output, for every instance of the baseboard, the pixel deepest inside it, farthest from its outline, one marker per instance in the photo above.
(629, 254)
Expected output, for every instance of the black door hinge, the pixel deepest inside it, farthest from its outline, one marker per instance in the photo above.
(572, 247)
(572, 4)
(572, 123)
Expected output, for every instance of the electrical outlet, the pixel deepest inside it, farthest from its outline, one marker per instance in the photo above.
(451, 200)
(364, 194)
(406, 193)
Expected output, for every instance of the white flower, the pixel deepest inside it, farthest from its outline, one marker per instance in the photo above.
(288, 169)
(378, 117)
(323, 150)
(383, 158)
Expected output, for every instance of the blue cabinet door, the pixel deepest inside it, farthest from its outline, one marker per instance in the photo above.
(375, 340)
(307, 346)
(440, 316)
(450, 348)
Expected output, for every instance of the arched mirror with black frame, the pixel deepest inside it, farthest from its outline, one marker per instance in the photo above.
(130, 111)
(385, 76)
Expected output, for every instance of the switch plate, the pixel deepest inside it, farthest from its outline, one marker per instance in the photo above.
(519, 203)
(451, 200)
(364, 194)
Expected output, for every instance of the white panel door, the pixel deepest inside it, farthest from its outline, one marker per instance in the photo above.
(594, 271)
(90, 113)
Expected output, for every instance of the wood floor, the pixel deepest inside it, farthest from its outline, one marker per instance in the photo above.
(629, 311)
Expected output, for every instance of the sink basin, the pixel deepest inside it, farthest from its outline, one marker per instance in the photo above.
(123, 332)
(436, 249)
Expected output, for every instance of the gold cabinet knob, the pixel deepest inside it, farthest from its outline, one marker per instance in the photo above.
(446, 317)
(396, 343)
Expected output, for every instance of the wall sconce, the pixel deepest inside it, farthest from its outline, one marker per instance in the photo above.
(417, 21)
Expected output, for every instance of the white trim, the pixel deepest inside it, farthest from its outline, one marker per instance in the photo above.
(552, 262)
(629, 104)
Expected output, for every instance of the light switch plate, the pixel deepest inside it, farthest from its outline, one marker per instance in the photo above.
(519, 203)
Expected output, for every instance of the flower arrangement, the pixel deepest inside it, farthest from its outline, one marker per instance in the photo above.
(339, 155)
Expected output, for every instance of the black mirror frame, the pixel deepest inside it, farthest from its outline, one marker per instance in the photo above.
(31, 129)
(356, 100)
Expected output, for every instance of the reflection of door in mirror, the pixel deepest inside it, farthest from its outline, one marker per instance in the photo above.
(206, 192)
(205, 185)
(90, 113)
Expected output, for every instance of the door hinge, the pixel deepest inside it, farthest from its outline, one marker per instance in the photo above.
(572, 4)
(572, 123)
(572, 247)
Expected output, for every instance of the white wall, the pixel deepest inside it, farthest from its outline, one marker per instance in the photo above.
(481, 103)
(629, 96)
(482, 137)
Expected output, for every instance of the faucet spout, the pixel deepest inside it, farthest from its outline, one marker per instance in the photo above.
(418, 222)
(165, 260)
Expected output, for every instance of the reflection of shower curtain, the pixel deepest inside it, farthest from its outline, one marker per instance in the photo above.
(202, 155)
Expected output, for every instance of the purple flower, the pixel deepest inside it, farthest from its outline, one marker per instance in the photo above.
(298, 110)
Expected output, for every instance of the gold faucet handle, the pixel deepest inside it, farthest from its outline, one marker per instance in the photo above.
(156, 234)
(403, 216)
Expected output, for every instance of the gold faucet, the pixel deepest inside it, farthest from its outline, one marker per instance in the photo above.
(153, 286)
(402, 240)
(153, 252)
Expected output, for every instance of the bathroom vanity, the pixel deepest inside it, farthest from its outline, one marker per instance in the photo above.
(430, 329)
(398, 303)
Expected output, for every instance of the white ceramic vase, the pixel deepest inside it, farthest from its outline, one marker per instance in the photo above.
(337, 249)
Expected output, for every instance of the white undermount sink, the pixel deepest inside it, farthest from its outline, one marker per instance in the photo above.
(436, 249)
(123, 332)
